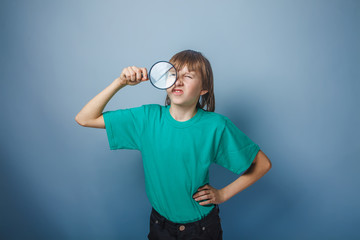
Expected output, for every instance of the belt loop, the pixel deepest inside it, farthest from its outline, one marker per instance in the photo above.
(198, 226)
(162, 222)
(160, 218)
(217, 209)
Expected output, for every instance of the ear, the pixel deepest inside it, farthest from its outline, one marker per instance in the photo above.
(203, 92)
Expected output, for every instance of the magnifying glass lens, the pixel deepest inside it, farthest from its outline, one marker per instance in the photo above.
(162, 75)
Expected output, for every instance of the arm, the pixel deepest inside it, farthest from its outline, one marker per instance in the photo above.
(259, 167)
(91, 114)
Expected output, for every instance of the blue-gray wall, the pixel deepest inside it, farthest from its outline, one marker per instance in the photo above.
(286, 72)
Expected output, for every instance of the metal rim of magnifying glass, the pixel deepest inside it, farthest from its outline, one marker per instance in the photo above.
(150, 75)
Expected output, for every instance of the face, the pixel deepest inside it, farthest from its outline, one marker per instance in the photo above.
(189, 86)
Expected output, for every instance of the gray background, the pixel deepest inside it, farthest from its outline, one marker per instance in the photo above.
(286, 73)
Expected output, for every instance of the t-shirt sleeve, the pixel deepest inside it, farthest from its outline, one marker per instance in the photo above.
(124, 127)
(236, 151)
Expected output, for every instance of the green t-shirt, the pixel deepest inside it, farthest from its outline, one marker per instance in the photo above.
(177, 155)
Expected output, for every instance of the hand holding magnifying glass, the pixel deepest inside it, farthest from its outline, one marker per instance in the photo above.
(162, 75)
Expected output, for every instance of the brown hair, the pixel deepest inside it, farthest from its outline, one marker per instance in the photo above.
(195, 61)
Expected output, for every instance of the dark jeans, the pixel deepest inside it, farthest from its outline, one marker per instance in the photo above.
(207, 228)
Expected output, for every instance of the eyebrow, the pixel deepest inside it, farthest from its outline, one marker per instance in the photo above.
(192, 73)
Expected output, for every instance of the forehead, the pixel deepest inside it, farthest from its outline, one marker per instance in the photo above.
(186, 70)
(185, 63)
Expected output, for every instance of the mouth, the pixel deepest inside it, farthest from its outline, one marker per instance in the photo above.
(177, 91)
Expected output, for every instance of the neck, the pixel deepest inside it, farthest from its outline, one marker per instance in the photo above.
(182, 114)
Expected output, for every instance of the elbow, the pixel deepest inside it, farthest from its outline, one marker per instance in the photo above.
(265, 161)
(268, 166)
(79, 121)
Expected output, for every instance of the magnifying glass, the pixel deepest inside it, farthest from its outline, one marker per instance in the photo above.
(162, 75)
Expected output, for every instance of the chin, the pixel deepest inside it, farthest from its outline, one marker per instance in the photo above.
(175, 102)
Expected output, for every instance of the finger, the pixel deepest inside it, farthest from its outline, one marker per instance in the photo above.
(127, 74)
(206, 202)
(132, 74)
(138, 73)
(204, 197)
(202, 193)
(144, 73)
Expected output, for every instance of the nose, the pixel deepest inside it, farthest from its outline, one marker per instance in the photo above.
(179, 81)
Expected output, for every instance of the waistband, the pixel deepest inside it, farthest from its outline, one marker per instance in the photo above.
(202, 222)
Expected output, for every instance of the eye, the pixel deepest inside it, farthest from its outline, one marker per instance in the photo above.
(188, 76)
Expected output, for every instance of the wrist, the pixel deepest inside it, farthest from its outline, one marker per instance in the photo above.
(223, 194)
(120, 83)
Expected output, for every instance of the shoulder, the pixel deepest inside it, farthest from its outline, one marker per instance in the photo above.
(151, 110)
(214, 120)
(215, 117)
